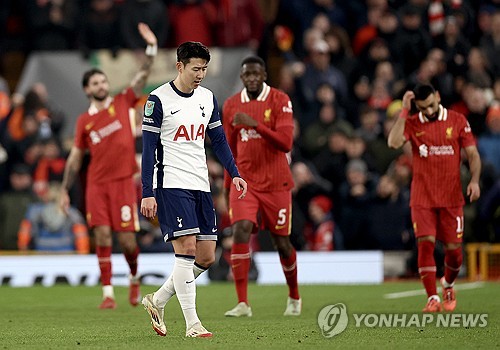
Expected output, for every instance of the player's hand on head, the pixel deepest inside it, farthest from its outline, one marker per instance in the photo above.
(241, 185)
(244, 119)
(473, 191)
(407, 98)
(149, 207)
(147, 34)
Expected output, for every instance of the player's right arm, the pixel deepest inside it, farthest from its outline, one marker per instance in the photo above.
(396, 137)
(139, 81)
(71, 169)
(151, 127)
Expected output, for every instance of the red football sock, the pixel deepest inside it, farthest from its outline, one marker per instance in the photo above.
(104, 258)
(289, 266)
(452, 262)
(132, 260)
(427, 266)
(240, 265)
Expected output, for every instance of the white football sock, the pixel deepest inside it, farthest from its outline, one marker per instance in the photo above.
(108, 292)
(185, 286)
(167, 290)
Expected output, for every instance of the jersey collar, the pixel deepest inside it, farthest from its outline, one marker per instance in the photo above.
(262, 96)
(93, 108)
(442, 115)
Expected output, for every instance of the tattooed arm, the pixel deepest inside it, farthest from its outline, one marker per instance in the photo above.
(140, 78)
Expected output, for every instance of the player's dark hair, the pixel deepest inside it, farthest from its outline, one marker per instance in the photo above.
(192, 49)
(422, 91)
(254, 59)
(88, 74)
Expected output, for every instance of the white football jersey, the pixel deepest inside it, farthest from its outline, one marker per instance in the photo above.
(182, 121)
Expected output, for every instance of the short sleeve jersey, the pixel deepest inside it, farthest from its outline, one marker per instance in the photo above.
(436, 147)
(263, 166)
(108, 135)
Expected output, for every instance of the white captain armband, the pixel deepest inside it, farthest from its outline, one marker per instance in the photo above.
(151, 50)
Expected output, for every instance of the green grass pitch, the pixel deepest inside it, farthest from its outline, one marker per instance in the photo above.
(64, 317)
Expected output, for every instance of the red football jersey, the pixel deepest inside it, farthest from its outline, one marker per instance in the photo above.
(436, 147)
(260, 152)
(108, 135)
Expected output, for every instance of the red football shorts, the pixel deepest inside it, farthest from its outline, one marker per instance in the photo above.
(273, 208)
(445, 224)
(113, 204)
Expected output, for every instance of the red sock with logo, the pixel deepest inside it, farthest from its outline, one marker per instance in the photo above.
(132, 260)
(104, 258)
(289, 266)
(427, 266)
(240, 265)
(452, 263)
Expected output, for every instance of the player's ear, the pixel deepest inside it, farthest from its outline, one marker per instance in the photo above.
(179, 67)
(438, 97)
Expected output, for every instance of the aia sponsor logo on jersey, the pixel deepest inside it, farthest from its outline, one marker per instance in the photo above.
(190, 133)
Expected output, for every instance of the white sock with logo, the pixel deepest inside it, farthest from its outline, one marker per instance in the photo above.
(185, 286)
(167, 290)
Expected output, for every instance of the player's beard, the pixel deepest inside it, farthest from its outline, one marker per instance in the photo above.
(100, 97)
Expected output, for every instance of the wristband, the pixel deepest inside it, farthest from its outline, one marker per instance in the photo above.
(404, 113)
(151, 50)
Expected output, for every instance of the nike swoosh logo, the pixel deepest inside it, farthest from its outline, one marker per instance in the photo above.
(214, 230)
(418, 134)
(173, 112)
(187, 282)
(279, 227)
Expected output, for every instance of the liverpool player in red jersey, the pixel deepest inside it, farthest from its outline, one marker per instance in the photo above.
(437, 136)
(107, 131)
(258, 122)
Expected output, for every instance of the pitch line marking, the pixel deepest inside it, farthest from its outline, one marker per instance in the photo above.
(412, 293)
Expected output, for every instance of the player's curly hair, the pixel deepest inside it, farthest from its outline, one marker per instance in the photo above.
(192, 49)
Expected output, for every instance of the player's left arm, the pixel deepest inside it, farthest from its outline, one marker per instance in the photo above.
(139, 80)
(473, 190)
(222, 150)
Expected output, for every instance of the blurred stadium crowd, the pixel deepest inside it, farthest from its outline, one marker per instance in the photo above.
(344, 64)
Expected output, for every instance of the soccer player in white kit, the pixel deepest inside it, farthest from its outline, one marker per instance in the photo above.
(177, 116)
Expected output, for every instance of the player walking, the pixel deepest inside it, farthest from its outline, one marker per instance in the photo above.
(258, 122)
(437, 136)
(175, 182)
(108, 133)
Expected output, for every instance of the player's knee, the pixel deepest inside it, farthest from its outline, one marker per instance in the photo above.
(206, 261)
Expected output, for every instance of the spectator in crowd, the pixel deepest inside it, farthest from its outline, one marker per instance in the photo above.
(356, 195)
(193, 20)
(52, 24)
(489, 142)
(239, 23)
(13, 205)
(46, 228)
(152, 12)
(321, 236)
(100, 27)
(389, 223)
